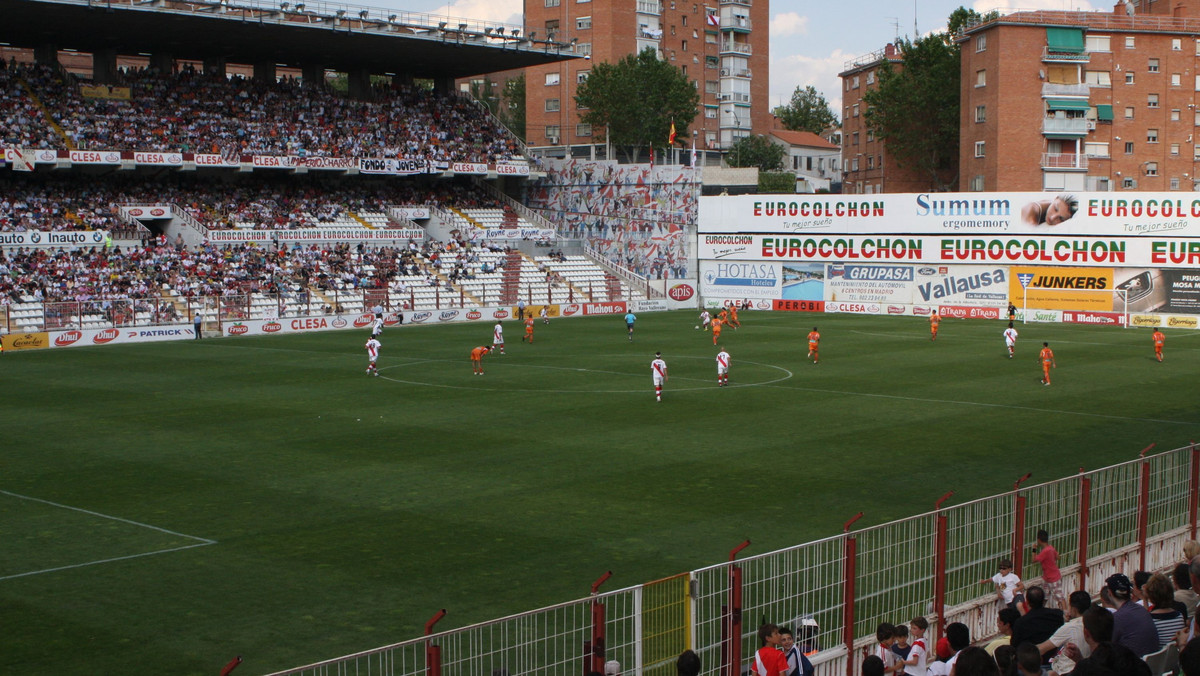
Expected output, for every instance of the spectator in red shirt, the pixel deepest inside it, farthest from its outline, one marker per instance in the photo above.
(1047, 556)
(770, 660)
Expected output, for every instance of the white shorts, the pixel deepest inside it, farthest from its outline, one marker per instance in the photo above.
(497, 341)
(1010, 343)
(722, 370)
(658, 381)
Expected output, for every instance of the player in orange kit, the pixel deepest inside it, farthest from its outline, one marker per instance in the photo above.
(477, 358)
(528, 337)
(934, 320)
(814, 339)
(733, 320)
(1047, 357)
(1159, 339)
(717, 323)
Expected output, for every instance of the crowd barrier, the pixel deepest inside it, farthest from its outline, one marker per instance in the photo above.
(1126, 517)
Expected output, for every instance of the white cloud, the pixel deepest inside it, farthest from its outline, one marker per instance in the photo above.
(788, 23)
(1006, 6)
(501, 11)
(797, 70)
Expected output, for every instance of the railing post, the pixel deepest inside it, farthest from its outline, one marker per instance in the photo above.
(940, 545)
(433, 652)
(1085, 506)
(850, 568)
(594, 651)
(1019, 526)
(1194, 499)
(1143, 508)
(733, 628)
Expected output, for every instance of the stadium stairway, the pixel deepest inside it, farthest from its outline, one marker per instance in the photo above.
(511, 281)
(46, 114)
(361, 221)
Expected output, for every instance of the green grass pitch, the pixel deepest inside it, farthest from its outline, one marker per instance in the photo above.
(168, 506)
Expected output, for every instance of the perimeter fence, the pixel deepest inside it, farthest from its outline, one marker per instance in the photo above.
(1131, 516)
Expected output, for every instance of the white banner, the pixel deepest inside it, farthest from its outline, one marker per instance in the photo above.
(515, 233)
(65, 239)
(81, 338)
(735, 279)
(148, 211)
(272, 162)
(209, 160)
(22, 160)
(223, 236)
(352, 234)
(1102, 214)
(160, 159)
(512, 169)
(35, 156)
(469, 168)
(94, 157)
(398, 166)
(411, 213)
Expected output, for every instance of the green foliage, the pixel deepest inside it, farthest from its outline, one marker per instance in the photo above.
(485, 92)
(778, 182)
(914, 110)
(807, 111)
(756, 151)
(512, 110)
(962, 18)
(638, 98)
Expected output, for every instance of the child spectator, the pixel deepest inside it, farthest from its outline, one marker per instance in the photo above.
(1007, 584)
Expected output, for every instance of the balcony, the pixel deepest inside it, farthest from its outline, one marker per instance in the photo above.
(734, 97)
(1074, 126)
(745, 3)
(735, 23)
(1064, 161)
(1049, 90)
(729, 47)
(736, 72)
(649, 7)
(1063, 57)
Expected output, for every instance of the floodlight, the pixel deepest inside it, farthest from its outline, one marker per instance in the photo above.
(284, 6)
(441, 25)
(462, 27)
(299, 6)
(363, 15)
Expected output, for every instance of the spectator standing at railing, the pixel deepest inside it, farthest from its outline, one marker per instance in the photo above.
(1047, 557)
(198, 323)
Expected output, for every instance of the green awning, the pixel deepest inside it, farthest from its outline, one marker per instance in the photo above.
(1065, 40)
(1104, 112)
(1068, 104)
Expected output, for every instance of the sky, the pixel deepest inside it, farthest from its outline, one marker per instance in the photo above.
(811, 40)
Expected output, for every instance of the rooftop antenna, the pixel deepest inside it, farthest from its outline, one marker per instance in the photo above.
(896, 25)
(916, 33)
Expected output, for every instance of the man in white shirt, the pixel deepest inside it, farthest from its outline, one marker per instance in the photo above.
(1010, 339)
(1071, 632)
(372, 354)
(498, 338)
(658, 368)
(722, 368)
(959, 637)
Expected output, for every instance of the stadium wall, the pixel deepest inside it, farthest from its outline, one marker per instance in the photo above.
(1126, 517)
(1127, 260)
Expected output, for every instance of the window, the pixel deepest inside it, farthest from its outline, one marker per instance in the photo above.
(1129, 147)
(1095, 149)
(552, 133)
(1128, 182)
(854, 82)
(552, 3)
(1176, 45)
(980, 78)
(1128, 112)
(583, 23)
(552, 26)
(552, 105)
(683, 46)
(981, 43)
(551, 79)
(1175, 115)
(1098, 78)
(710, 38)
(683, 21)
(1128, 78)
(979, 148)
(870, 136)
(977, 183)
(1174, 183)
(582, 76)
(710, 87)
(1175, 149)
(854, 138)
(855, 107)
(710, 113)
(1129, 42)
(710, 62)
(695, 34)
(583, 130)
(854, 164)
(584, 49)
(1152, 66)
(1152, 168)
(1151, 136)
(870, 161)
(981, 113)
(1097, 43)
(1152, 100)
(1176, 79)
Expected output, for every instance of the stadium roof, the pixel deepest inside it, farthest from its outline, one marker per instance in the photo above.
(333, 35)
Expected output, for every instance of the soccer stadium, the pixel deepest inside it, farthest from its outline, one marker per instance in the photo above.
(248, 249)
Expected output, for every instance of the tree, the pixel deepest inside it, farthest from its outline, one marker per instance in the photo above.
(914, 111)
(512, 112)
(485, 92)
(638, 98)
(756, 151)
(963, 17)
(807, 111)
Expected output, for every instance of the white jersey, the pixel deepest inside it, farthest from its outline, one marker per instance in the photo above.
(497, 334)
(722, 362)
(372, 349)
(705, 318)
(1010, 337)
(377, 326)
(658, 368)
(544, 313)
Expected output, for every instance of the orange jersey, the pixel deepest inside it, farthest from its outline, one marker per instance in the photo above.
(1159, 338)
(478, 353)
(716, 325)
(934, 320)
(813, 338)
(1047, 356)
(529, 325)
(733, 313)
(722, 315)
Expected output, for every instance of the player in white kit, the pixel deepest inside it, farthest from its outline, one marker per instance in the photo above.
(377, 325)
(1010, 339)
(372, 354)
(722, 368)
(498, 337)
(705, 320)
(658, 369)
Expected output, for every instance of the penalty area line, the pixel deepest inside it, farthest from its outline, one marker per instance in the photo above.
(112, 560)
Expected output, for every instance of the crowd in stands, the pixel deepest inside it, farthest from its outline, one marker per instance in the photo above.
(190, 111)
(636, 216)
(70, 202)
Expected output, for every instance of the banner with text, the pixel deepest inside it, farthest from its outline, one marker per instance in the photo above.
(65, 239)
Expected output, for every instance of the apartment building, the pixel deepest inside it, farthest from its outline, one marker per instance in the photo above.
(866, 167)
(720, 45)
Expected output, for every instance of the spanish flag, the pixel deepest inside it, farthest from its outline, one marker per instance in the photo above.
(671, 138)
